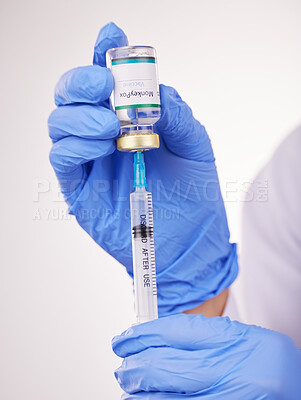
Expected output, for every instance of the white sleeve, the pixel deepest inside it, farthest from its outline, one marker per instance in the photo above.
(269, 285)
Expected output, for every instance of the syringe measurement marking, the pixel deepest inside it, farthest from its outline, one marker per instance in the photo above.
(152, 244)
(149, 265)
(145, 233)
(145, 265)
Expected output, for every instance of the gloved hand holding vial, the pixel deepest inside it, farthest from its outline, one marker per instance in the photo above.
(194, 260)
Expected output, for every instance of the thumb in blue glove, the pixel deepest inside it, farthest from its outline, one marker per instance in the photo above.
(194, 258)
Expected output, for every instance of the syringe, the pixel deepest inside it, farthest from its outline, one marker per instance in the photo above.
(144, 266)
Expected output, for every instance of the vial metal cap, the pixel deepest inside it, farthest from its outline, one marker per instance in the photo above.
(138, 141)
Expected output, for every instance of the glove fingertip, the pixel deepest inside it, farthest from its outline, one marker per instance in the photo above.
(89, 84)
(169, 91)
(115, 341)
(117, 346)
(117, 376)
(109, 36)
(108, 84)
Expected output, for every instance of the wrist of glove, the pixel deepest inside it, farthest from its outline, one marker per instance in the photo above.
(190, 282)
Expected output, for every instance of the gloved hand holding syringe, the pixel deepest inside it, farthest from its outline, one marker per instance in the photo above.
(136, 101)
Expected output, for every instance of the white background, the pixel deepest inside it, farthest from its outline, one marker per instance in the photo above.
(62, 299)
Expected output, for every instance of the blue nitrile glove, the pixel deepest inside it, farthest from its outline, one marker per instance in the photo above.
(195, 357)
(194, 259)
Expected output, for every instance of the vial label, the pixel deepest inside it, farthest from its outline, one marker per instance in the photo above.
(136, 83)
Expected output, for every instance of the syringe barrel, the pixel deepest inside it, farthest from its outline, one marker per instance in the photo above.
(144, 266)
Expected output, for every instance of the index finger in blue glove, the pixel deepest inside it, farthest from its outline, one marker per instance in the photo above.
(152, 369)
(182, 133)
(239, 361)
(109, 36)
(91, 84)
(197, 332)
(68, 154)
(83, 120)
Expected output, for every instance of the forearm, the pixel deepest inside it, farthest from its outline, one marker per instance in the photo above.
(213, 307)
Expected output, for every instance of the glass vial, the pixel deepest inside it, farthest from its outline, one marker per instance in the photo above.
(136, 97)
